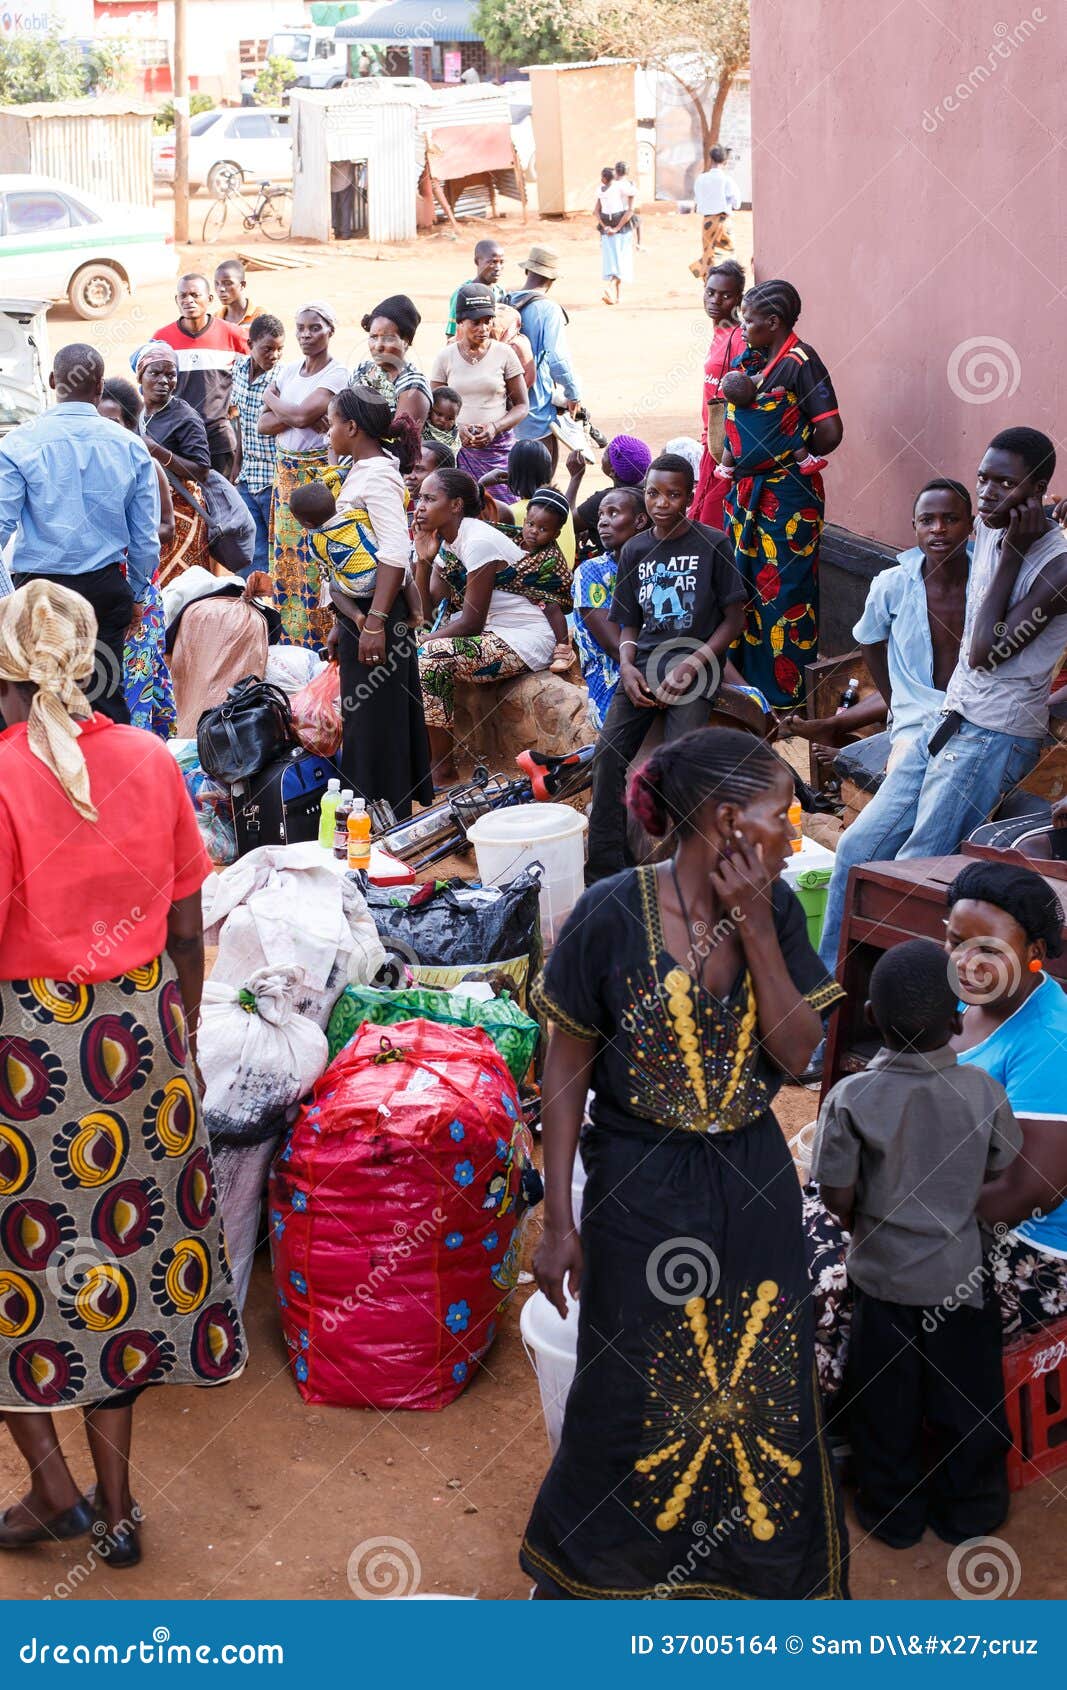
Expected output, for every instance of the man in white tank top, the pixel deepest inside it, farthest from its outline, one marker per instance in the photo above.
(995, 718)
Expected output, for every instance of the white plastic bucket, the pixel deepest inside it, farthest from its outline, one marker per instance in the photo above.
(552, 1346)
(802, 1147)
(507, 841)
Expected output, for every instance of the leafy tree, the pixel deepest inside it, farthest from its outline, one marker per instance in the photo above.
(39, 67)
(701, 43)
(518, 32)
(273, 79)
(164, 118)
(107, 66)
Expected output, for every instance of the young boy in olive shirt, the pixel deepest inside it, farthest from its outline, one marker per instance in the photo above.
(900, 1155)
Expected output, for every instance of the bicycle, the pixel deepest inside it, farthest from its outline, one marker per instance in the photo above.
(272, 211)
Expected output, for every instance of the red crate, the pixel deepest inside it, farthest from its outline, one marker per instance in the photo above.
(1035, 1397)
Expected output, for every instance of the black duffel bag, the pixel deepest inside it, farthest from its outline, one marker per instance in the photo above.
(250, 728)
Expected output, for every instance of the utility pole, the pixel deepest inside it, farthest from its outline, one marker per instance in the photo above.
(181, 127)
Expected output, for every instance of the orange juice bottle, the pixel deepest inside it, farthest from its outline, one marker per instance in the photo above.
(796, 812)
(358, 835)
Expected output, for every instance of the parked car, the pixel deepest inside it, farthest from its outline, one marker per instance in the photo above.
(24, 361)
(57, 241)
(254, 140)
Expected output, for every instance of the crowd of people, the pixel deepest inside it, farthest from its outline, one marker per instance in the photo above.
(410, 528)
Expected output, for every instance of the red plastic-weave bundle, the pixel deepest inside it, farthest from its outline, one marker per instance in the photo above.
(394, 1212)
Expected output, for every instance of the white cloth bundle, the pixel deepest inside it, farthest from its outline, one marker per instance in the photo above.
(257, 1054)
(282, 907)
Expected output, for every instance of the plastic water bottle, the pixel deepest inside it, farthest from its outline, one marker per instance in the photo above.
(340, 824)
(358, 836)
(327, 811)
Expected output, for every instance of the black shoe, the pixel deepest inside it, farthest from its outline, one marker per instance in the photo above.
(877, 1527)
(61, 1528)
(121, 1546)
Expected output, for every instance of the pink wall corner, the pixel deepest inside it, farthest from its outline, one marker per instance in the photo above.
(909, 178)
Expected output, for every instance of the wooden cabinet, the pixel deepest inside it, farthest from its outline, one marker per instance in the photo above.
(885, 904)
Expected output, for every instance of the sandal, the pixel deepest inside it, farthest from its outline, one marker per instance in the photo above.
(71, 1523)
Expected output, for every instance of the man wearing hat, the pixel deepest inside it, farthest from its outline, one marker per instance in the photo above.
(544, 323)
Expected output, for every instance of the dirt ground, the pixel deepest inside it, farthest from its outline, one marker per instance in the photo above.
(246, 1492)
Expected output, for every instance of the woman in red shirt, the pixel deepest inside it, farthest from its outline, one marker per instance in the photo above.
(113, 1273)
(722, 300)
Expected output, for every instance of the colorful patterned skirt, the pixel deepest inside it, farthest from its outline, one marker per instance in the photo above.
(146, 680)
(692, 1461)
(113, 1269)
(295, 570)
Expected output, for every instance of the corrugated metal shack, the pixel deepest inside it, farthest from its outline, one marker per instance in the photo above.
(389, 129)
(103, 146)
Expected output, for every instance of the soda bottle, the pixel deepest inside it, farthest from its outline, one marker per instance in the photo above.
(358, 835)
(850, 696)
(327, 811)
(340, 825)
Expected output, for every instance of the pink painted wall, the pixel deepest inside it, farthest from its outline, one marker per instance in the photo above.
(907, 180)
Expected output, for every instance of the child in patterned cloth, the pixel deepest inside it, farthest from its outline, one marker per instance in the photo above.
(547, 576)
(343, 541)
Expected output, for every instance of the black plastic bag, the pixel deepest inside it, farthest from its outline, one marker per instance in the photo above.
(450, 931)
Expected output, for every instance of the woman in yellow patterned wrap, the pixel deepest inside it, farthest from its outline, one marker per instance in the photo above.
(692, 1461)
(357, 530)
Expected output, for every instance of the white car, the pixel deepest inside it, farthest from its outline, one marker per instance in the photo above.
(256, 141)
(57, 242)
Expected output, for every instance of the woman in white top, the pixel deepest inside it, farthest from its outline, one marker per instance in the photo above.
(366, 549)
(294, 410)
(613, 212)
(487, 375)
(489, 634)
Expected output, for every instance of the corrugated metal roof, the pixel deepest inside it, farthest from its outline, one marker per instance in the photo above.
(580, 64)
(81, 108)
(412, 20)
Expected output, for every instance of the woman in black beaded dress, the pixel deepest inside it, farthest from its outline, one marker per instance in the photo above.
(692, 1460)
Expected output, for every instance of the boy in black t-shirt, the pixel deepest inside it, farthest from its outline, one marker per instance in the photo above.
(680, 603)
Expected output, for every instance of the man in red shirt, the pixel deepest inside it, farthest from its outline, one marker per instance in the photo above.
(206, 347)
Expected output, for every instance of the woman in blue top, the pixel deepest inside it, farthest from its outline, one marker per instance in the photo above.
(1003, 921)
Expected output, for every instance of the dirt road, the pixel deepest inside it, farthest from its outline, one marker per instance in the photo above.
(640, 363)
(247, 1493)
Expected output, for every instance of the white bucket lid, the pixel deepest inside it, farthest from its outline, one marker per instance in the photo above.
(527, 824)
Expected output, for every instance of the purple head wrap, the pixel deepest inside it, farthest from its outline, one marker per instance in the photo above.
(629, 459)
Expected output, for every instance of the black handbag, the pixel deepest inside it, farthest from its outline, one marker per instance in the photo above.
(280, 804)
(250, 728)
(231, 532)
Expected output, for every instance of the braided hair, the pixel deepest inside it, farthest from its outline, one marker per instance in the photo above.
(373, 415)
(457, 484)
(708, 766)
(775, 299)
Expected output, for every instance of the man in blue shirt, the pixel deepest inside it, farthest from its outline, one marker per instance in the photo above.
(544, 323)
(81, 497)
